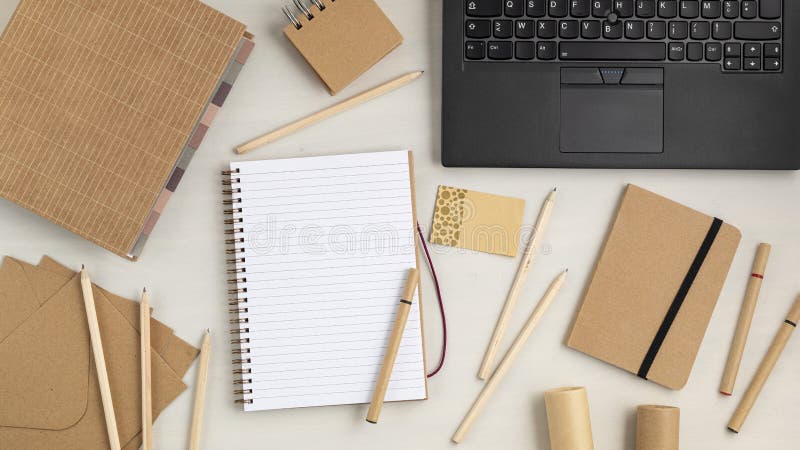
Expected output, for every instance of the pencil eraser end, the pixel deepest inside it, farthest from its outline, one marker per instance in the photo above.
(731, 429)
(374, 423)
(725, 393)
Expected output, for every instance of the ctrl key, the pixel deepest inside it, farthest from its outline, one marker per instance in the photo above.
(475, 50)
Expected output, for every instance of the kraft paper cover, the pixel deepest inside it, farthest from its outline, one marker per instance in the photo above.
(98, 99)
(653, 246)
(344, 41)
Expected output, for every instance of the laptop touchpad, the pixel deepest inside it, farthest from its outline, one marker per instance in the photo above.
(612, 110)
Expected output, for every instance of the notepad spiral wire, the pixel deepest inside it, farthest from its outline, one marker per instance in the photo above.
(238, 285)
(302, 9)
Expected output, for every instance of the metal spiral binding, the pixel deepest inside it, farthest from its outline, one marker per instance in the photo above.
(237, 302)
(302, 10)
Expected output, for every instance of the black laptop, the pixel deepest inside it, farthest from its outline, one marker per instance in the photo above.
(621, 83)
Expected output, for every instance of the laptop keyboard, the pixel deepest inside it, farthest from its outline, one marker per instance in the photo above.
(739, 35)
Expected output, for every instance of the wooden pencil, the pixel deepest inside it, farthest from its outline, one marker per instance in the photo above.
(389, 357)
(329, 112)
(508, 359)
(99, 360)
(147, 387)
(765, 369)
(200, 393)
(516, 287)
(745, 319)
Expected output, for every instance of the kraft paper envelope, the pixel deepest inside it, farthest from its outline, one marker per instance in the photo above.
(177, 353)
(48, 380)
(477, 221)
(655, 287)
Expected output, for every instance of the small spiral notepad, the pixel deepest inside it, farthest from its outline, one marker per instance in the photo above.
(320, 248)
(340, 39)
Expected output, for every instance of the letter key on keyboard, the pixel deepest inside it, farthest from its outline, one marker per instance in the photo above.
(734, 35)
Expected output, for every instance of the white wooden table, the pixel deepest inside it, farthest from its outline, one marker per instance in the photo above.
(183, 267)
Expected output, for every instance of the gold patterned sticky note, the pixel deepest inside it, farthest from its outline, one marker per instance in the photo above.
(477, 221)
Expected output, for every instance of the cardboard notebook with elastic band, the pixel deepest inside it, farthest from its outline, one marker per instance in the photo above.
(655, 287)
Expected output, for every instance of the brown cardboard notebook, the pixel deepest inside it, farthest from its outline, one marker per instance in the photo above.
(655, 287)
(102, 105)
(48, 375)
(344, 40)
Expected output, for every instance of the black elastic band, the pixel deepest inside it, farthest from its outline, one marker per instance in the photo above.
(405, 301)
(791, 323)
(683, 291)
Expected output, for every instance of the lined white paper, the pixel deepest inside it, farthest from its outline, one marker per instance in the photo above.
(328, 242)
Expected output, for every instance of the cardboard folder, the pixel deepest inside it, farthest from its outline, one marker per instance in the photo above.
(655, 287)
(48, 383)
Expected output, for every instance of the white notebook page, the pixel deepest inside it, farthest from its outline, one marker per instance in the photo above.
(328, 242)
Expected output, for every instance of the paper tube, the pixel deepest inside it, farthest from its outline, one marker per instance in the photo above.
(568, 419)
(658, 427)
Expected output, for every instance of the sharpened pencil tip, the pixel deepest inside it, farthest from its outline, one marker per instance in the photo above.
(144, 289)
(555, 189)
(83, 267)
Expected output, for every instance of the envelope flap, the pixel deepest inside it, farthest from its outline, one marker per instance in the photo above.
(44, 374)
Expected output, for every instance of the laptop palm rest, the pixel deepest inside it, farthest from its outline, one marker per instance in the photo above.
(612, 110)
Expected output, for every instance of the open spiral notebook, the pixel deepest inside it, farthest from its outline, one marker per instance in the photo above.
(320, 250)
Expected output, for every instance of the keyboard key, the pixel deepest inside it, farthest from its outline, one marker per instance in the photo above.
(757, 31)
(579, 8)
(478, 29)
(568, 29)
(694, 51)
(713, 51)
(645, 8)
(536, 8)
(624, 8)
(678, 30)
(590, 29)
(514, 8)
(612, 51)
(700, 30)
(749, 12)
(752, 50)
(500, 50)
(634, 29)
(676, 51)
(503, 29)
(667, 9)
(770, 9)
(656, 29)
(612, 30)
(722, 31)
(711, 9)
(732, 64)
(484, 8)
(601, 8)
(730, 9)
(475, 50)
(546, 50)
(558, 8)
(733, 50)
(546, 29)
(752, 64)
(772, 50)
(525, 29)
(690, 9)
(525, 51)
(772, 64)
